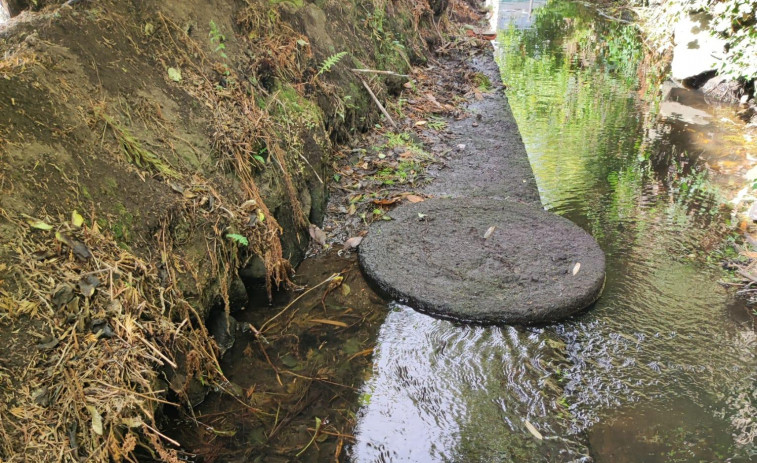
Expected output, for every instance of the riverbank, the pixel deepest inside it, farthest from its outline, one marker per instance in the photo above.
(154, 156)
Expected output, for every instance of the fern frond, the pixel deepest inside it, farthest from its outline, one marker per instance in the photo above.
(330, 62)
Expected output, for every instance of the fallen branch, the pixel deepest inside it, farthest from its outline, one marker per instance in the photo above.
(378, 103)
(375, 71)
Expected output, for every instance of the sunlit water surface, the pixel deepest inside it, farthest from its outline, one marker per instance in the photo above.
(662, 369)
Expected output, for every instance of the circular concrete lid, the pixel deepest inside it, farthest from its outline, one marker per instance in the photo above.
(483, 260)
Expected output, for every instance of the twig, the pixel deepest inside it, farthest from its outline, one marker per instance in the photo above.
(376, 71)
(262, 327)
(275, 370)
(311, 166)
(378, 103)
(612, 18)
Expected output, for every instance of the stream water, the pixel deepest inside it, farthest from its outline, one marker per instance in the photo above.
(662, 369)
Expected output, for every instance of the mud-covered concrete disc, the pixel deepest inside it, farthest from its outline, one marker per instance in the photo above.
(443, 257)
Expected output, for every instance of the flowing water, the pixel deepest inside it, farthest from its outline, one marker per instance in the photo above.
(663, 368)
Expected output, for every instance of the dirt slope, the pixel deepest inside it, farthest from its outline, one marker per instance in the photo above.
(149, 151)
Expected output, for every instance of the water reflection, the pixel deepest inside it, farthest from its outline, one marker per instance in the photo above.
(660, 369)
(442, 392)
(638, 176)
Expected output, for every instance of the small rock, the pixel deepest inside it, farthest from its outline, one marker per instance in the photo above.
(753, 212)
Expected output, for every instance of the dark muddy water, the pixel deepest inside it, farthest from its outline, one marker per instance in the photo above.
(662, 369)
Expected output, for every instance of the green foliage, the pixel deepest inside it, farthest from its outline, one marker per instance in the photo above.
(217, 39)
(330, 62)
(482, 82)
(238, 239)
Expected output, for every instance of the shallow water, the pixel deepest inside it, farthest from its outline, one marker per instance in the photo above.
(663, 366)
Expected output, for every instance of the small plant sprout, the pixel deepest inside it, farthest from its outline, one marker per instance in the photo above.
(217, 39)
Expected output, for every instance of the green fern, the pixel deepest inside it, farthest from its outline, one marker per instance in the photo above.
(330, 62)
(239, 239)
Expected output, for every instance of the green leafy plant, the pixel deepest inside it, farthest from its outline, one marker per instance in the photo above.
(217, 39)
(437, 123)
(330, 62)
(238, 239)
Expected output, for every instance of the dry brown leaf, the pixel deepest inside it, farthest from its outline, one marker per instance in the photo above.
(387, 202)
(318, 235)
(352, 243)
(415, 198)
(533, 430)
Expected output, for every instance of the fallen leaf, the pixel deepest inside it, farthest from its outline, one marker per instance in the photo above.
(97, 420)
(533, 430)
(352, 243)
(318, 235)
(329, 322)
(77, 219)
(88, 284)
(346, 289)
(478, 95)
(174, 74)
(387, 202)
(576, 268)
(420, 123)
(38, 224)
(433, 100)
(414, 198)
(489, 232)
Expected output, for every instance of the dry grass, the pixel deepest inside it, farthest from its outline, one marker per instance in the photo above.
(92, 388)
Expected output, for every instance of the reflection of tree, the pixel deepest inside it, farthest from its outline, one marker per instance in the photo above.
(572, 84)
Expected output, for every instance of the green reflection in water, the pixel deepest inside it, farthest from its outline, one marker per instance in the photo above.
(575, 88)
(660, 339)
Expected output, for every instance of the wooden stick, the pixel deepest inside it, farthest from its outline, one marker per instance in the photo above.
(375, 71)
(378, 103)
